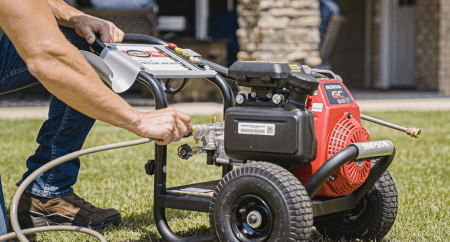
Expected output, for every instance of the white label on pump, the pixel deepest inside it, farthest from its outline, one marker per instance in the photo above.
(256, 129)
(317, 107)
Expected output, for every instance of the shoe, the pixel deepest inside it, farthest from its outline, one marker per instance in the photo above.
(35, 211)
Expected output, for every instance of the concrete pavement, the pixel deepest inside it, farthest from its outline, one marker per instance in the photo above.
(205, 108)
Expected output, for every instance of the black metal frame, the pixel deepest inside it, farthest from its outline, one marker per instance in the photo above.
(333, 205)
(164, 199)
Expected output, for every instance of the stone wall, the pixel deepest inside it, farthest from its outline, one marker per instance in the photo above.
(433, 46)
(279, 30)
(428, 49)
(444, 46)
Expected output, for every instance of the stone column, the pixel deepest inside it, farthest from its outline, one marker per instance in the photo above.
(433, 46)
(444, 46)
(428, 50)
(279, 30)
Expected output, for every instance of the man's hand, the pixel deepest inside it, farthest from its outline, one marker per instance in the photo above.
(86, 26)
(166, 125)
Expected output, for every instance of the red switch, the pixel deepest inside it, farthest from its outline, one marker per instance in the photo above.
(172, 46)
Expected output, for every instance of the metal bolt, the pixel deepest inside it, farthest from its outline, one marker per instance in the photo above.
(331, 178)
(349, 115)
(269, 95)
(359, 163)
(254, 219)
(277, 98)
(239, 99)
(242, 210)
(253, 94)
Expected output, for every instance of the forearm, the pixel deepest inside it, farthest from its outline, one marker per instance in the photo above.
(63, 12)
(66, 75)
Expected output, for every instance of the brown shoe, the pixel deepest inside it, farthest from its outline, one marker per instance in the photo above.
(35, 211)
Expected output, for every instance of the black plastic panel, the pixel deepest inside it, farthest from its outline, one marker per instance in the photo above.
(276, 135)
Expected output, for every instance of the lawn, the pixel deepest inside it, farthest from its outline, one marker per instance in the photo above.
(117, 178)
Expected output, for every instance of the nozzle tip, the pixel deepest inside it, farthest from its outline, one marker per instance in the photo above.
(414, 132)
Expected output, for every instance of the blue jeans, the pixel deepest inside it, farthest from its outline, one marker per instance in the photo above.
(63, 132)
(3, 229)
(327, 8)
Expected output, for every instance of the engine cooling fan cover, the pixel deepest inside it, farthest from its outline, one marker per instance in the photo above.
(354, 173)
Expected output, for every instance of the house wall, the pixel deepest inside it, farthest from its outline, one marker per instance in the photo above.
(374, 53)
(282, 30)
(429, 51)
(348, 58)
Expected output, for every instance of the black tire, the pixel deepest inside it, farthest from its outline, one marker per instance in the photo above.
(370, 220)
(281, 204)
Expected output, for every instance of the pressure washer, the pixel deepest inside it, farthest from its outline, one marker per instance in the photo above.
(300, 154)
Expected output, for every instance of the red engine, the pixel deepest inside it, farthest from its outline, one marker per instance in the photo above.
(337, 124)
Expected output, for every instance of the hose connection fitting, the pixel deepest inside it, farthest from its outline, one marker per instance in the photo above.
(185, 152)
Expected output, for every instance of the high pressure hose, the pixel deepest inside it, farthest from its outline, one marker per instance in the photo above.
(14, 219)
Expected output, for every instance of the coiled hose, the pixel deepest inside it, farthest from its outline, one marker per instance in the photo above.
(14, 219)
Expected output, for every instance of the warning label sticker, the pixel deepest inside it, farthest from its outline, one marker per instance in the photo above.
(317, 107)
(153, 58)
(256, 129)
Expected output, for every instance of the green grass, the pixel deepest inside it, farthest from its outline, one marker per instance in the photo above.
(117, 178)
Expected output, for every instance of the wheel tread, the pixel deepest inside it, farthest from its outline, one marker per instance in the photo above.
(384, 220)
(296, 197)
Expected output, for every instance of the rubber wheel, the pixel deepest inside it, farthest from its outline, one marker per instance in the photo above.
(371, 219)
(260, 201)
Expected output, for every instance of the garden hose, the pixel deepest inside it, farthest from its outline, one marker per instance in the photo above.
(14, 219)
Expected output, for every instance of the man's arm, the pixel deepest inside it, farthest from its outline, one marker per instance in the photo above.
(60, 67)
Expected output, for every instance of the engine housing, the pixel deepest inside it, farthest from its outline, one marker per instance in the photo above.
(337, 123)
